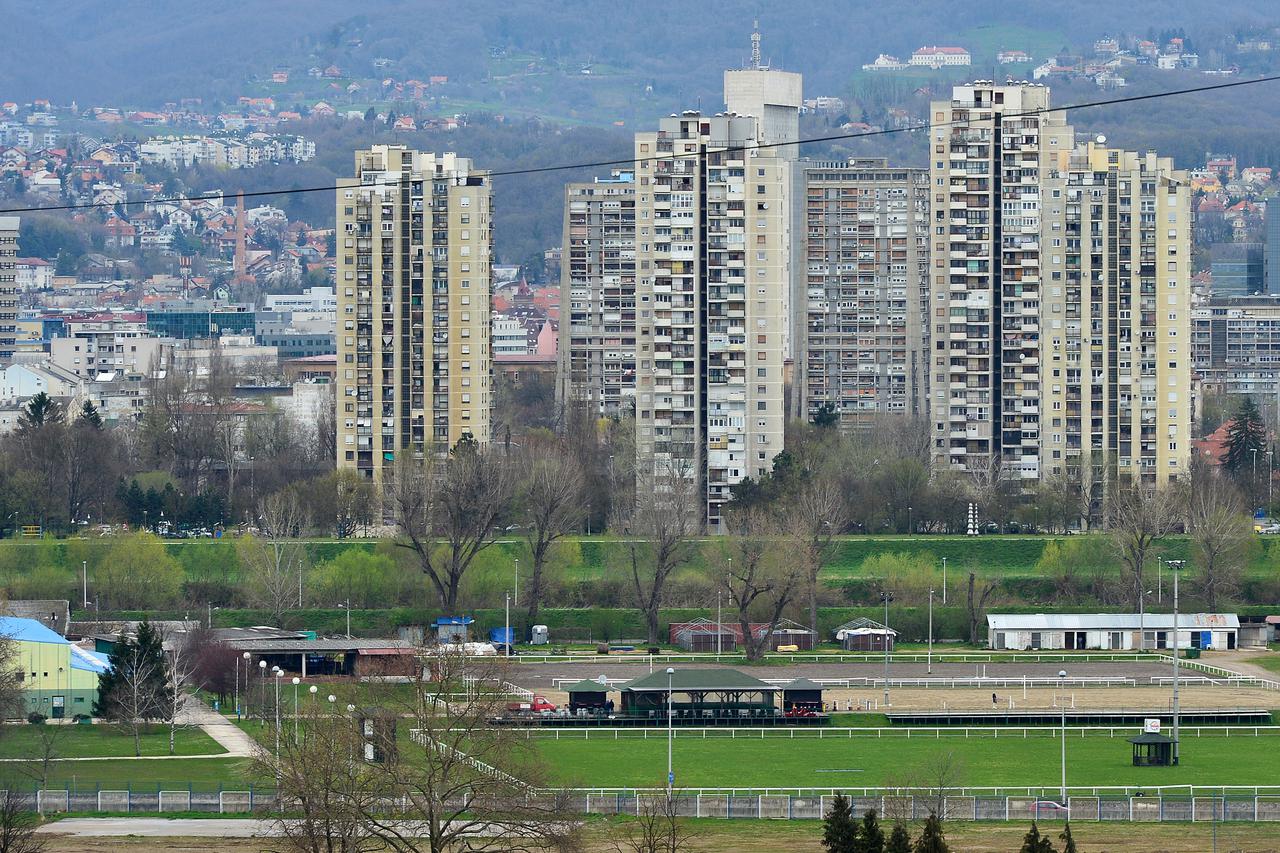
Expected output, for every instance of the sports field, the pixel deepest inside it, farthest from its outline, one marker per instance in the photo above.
(835, 762)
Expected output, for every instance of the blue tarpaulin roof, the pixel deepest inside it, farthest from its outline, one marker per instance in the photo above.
(87, 661)
(453, 620)
(29, 631)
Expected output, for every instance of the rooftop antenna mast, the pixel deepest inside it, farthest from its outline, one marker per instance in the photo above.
(755, 44)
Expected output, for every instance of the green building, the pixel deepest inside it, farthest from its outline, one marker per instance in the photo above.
(58, 678)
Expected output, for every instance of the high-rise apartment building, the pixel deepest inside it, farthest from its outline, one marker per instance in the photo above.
(1115, 373)
(860, 269)
(8, 286)
(597, 337)
(414, 270)
(772, 95)
(711, 282)
(1060, 297)
(1235, 344)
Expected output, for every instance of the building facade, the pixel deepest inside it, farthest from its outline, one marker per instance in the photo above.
(860, 269)
(597, 347)
(1238, 269)
(414, 271)
(712, 277)
(8, 286)
(1235, 345)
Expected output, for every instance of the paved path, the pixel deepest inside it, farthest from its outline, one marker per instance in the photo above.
(155, 827)
(228, 735)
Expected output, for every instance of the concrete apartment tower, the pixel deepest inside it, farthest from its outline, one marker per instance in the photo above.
(597, 337)
(773, 96)
(1116, 317)
(988, 150)
(711, 280)
(414, 232)
(8, 286)
(860, 270)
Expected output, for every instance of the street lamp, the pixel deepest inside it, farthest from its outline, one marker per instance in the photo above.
(944, 580)
(929, 656)
(84, 577)
(347, 607)
(246, 681)
(296, 682)
(506, 637)
(671, 776)
(1142, 619)
(1253, 485)
(1175, 566)
(1270, 479)
(262, 670)
(277, 672)
(1062, 674)
(886, 597)
(516, 597)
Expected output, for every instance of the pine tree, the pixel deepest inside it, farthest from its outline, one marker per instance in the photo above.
(1068, 843)
(1245, 434)
(839, 830)
(870, 835)
(931, 840)
(899, 839)
(89, 415)
(1034, 842)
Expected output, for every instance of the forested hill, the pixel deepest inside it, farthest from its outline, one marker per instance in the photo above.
(143, 51)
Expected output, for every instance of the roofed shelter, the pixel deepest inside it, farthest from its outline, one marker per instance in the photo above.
(699, 694)
(590, 695)
(1152, 749)
(802, 694)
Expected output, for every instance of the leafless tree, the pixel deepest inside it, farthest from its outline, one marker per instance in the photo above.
(133, 702)
(657, 828)
(758, 579)
(931, 780)
(977, 605)
(48, 743)
(813, 518)
(184, 666)
(1220, 533)
(550, 501)
(461, 500)
(661, 528)
(18, 824)
(12, 695)
(274, 561)
(1138, 517)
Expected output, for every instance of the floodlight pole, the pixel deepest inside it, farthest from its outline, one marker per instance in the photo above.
(886, 598)
(944, 581)
(671, 776)
(1175, 566)
(929, 656)
(1062, 674)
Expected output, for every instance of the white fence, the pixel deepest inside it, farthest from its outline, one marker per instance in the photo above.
(902, 732)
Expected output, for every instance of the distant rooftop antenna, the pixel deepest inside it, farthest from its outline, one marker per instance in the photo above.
(755, 44)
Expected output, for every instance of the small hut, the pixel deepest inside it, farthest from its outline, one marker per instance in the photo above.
(591, 696)
(704, 635)
(801, 695)
(865, 635)
(1152, 749)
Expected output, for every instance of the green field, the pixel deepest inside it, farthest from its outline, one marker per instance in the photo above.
(178, 774)
(897, 761)
(100, 741)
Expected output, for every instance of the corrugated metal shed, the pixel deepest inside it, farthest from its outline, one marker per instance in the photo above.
(1110, 621)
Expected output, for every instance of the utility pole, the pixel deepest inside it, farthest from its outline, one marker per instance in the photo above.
(84, 577)
(517, 583)
(506, 636)
(1062, 674)
(929, 657)
(1175, 566)
(944, 581)
(886, 597)
(671, 776)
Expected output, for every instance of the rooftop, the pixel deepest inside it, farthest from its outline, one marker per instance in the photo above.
(685, 680)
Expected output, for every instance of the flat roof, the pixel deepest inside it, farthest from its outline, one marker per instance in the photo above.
(687, 680)
(1110, 621)
(587, 686)
(340, 644)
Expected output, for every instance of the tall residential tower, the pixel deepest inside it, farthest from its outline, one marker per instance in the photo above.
(414, 270)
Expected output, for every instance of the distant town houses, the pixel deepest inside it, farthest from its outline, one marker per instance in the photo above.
(230, 151)
(934, 56)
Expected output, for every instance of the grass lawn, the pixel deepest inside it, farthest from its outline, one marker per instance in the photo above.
(867, 762)
(1267, 662)
(99, 741)
(201, 774)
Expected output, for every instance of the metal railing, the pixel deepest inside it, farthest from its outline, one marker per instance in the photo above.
(878, 732)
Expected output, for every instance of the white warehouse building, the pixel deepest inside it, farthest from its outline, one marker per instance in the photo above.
(1111, 631)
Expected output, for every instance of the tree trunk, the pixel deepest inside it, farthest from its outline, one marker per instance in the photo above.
(651, 623)
(813, 605)
(535, 581)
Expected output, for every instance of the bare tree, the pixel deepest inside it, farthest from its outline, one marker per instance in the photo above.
(1220, 533)
(134, 702)
(757, 578)
(657, 828)
(813, 518)
(18, 824)
(183, 669)
(550, 498)
(341, 501)
(977, 605)
(274, 561)
(1138, 517)
(48, 750)
(461, 500)
(661, 528)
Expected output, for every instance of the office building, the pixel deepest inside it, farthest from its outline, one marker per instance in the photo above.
(1271, 250)
(1237, 269)
(711, 283)
(860, 268)
(8, 286)
(414, 271)
(1236, 345)
(597, 348)
(1115, 374)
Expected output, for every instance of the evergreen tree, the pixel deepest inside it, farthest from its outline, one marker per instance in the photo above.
(931, 840)
(89, 415)
(1245, 434)
(899, 839)
(136, 683)
(1068, 843)
(839, 830)
(39, 411)
(1034, 842)
(870, 835)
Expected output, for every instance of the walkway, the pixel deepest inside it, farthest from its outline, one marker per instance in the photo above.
(228, 735)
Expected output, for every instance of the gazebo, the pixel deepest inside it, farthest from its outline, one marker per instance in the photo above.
(1152, 749)
(589, 695)
(701, 695)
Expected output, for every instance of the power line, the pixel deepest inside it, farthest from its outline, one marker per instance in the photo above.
(597, 164)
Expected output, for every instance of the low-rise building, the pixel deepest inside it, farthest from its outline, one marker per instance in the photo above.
(58, 680)
(1112, 631)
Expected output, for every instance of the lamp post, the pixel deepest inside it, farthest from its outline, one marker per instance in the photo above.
(719, 630)
(1175, 566)
(299, 583)
(516, 597)
(1142, 622)
(277, 672)
(246, 681)
(1062, 674)
(262, 670)
(347, 607)
(506, 637)
(296, 682)
(1270, 480)
(1159, 580)
(671, 776)
(944, 580)
(84, 578)
(929, 656)
(886, 597)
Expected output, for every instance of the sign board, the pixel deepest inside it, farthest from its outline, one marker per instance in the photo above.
(1151, 725)
(671, 778)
